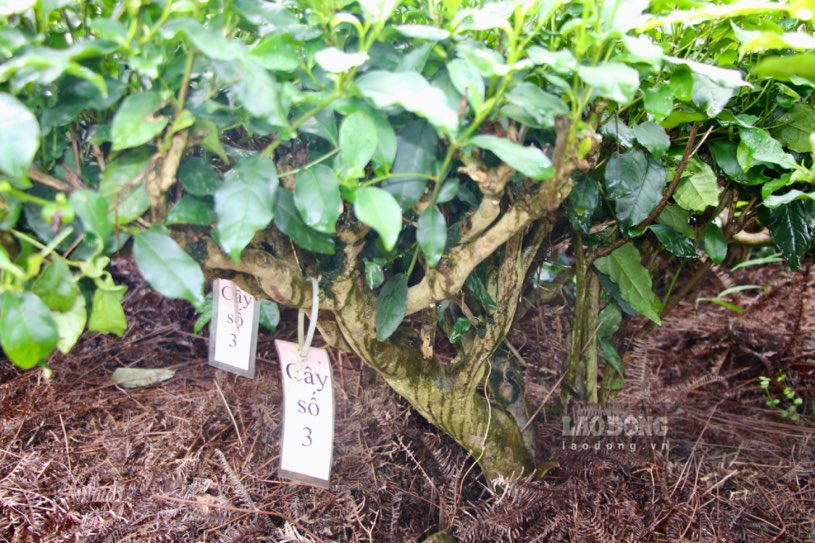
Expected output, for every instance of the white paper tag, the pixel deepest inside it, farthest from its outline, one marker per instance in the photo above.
(308, 415)
(234, 329)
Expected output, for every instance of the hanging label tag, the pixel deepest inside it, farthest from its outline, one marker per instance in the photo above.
(308, 415)
(233, 331)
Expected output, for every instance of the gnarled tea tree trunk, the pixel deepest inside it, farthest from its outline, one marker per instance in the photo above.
(449, 395)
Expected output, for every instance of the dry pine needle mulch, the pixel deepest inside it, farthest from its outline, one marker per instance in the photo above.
(194, 459)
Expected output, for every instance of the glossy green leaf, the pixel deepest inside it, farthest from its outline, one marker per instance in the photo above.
(468, 81)
(449, 190)
(613, 80)
(391, 306)
(56, 287)
(322, 124)
(787, 67)
(415, 153)
(198, 177)
(653, 137)
(757, 147)
(192, 210)
(107, 315)
(137, 121)
(582, 202)
(334, 60)
(287, 219)
(714, 243)
(789, 226)
(676, 243)
(530, 161)
(698, 188)
(710, 96)
(317, 198)
(276, 52)
(793, 128)
(431, 235)
(386, 142)
(204, 314)
(269, 315)
(776, 200)
(659, 102)
(476, 284)
(411, 91)
(123, 186)
(532, 106)
(490, 15)
(677, 218)
(374, 275)
(92, 209)
(460, 327)
(19, 136)
(422, 32)
(562, 61)
(209, 42)
(378, 10)
(245, 203)
(378, 209)
(169, 270)
(256, 90)
(635, 183)
(624, 268)
(70, 324)
(358, 143)
(28, 332)
(725, 155)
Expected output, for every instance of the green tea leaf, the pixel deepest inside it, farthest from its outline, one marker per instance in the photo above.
(256, 90)
(192, 210)
(245, 203)
(561, 61)
(411, 91)
(374, 275)
(70, 324)
(530, 161)
(121, 186)
(675, 242)
(19, 137)
(92, 209)
(198, 177)
(790, 230)
(269, 315)
(794, 128)
(358, 143)
(757, 146)
(468, 81)
(334, 60)
(422, 32)
(635, 183)
(776, 200)
(378, 209)
(698, 188)
(532, 106)
(276, 52)
(613, 80)
(107, 315)
(653, 137)
(710, 96)
(56, 287)
(169, 270)
(659, 101)
(415, 153)
(624, 268)
(317, 198)
(391, 306)
(460, 327)
(431, 235)
(714, 243)
(28, 332)
(287, 219)
(677, 218)
(136, 122)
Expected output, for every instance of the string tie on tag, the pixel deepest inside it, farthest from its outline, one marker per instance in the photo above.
(305, 343)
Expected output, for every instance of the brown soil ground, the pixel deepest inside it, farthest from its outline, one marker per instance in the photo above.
(194, 458)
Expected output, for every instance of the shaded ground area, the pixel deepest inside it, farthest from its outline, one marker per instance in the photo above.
(194, 459)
